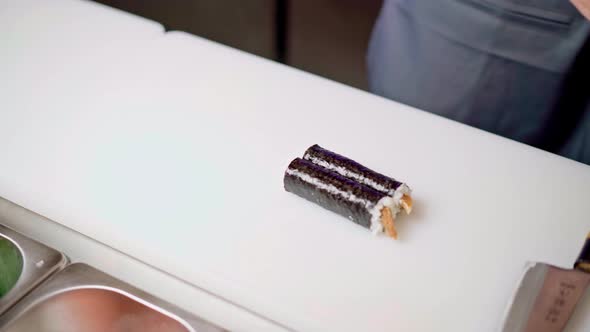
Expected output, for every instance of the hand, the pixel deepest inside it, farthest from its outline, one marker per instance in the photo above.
(583, 6)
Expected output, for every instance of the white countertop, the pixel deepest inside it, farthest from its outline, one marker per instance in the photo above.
(171, 149)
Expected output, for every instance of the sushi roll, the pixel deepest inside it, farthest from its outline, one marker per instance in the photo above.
(398, 191)
(359, 203)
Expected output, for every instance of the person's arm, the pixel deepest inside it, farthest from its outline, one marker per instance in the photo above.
(583, 6)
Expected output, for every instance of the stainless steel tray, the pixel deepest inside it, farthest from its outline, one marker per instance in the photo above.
(38, 263)
(81, 297)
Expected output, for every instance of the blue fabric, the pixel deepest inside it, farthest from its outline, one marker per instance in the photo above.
(578, 145)
(494, 64)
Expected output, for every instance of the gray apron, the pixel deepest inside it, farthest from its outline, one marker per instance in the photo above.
(578, 145)
(493, 64)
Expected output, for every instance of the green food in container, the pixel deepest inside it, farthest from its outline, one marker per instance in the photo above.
(11, 265)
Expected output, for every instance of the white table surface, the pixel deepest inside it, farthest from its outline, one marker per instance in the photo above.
(174, 155)
(78, 39)
(72, 25)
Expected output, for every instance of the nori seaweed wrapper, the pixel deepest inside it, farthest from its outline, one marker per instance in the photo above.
(351, 169)
(333, 191)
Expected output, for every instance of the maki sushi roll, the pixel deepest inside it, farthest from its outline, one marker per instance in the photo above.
(344, 186)
(399, 191)
(361, 204)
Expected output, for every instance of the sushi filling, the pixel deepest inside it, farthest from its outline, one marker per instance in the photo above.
(379, 216)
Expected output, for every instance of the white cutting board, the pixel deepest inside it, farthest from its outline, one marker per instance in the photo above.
(174, 154)
(69, 24)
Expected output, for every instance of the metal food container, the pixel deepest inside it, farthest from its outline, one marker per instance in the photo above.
(82, 298)
(24, 264)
